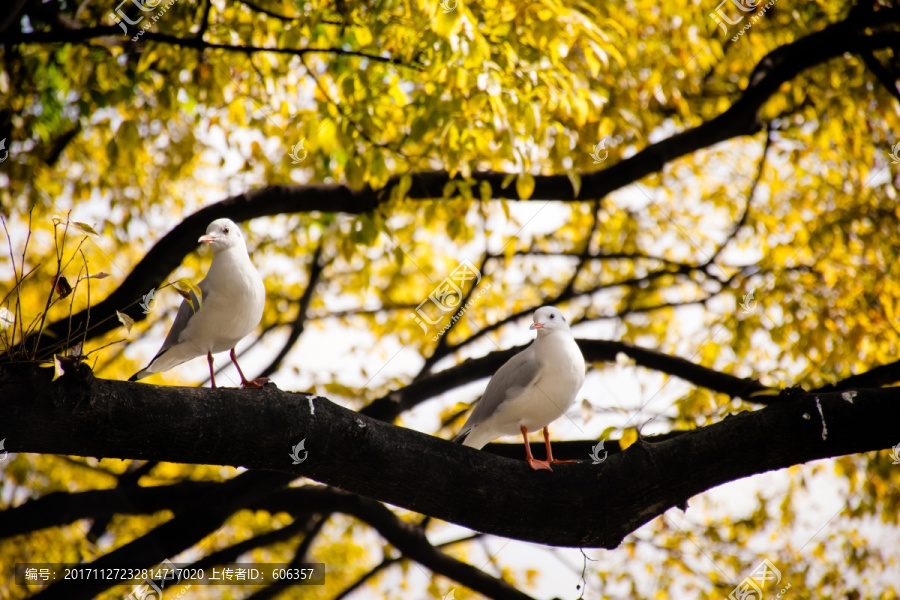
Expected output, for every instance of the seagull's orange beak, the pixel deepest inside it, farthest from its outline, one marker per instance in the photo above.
(207, 238)
(536, 326)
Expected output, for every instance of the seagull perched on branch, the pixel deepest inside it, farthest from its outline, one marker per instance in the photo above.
(533, 389)
(231, 306)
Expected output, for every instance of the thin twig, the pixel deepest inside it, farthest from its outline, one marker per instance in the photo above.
(24, 249)
(87, 321)
(104, 346)
(17, 312)
(40, 331)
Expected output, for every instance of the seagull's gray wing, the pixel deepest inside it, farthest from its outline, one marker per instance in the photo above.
(184, 314)
(508, 382)
(182, 317)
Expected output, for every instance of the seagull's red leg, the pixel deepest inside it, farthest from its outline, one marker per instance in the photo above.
(256, 383)
(212, 375)
(532, 462)
(550, 458)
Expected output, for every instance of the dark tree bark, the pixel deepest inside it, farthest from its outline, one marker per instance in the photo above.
(579, 505)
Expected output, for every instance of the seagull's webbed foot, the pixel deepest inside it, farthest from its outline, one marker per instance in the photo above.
(247, 383)
(539, 465)
(535, 464)
(255, 384)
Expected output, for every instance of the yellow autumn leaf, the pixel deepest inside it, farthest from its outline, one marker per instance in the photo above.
(629, 436)
(185, 286)
(525, 185)
(85, 229)
(449, 19)
(127, 321)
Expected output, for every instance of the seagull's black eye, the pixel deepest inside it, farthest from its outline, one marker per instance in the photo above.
(225, 231)
(552, 316)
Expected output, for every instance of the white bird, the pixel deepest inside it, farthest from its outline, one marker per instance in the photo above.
(234, 297)
(534, 388)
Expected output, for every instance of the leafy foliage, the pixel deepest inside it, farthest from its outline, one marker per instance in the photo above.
(132, 136)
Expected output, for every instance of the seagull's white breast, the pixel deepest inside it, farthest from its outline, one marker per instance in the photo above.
(231, 308)
(549, 397)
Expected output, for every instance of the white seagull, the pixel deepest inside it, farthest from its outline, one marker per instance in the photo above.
(533, 389)
(234, 297)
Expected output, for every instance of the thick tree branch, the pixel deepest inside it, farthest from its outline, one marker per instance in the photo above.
(603, 503)
(58, 508)
(128, 479)
(61, 508)
(876, 377)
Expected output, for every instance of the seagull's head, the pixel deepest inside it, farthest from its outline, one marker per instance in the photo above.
(549, 318)
(222, 234)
